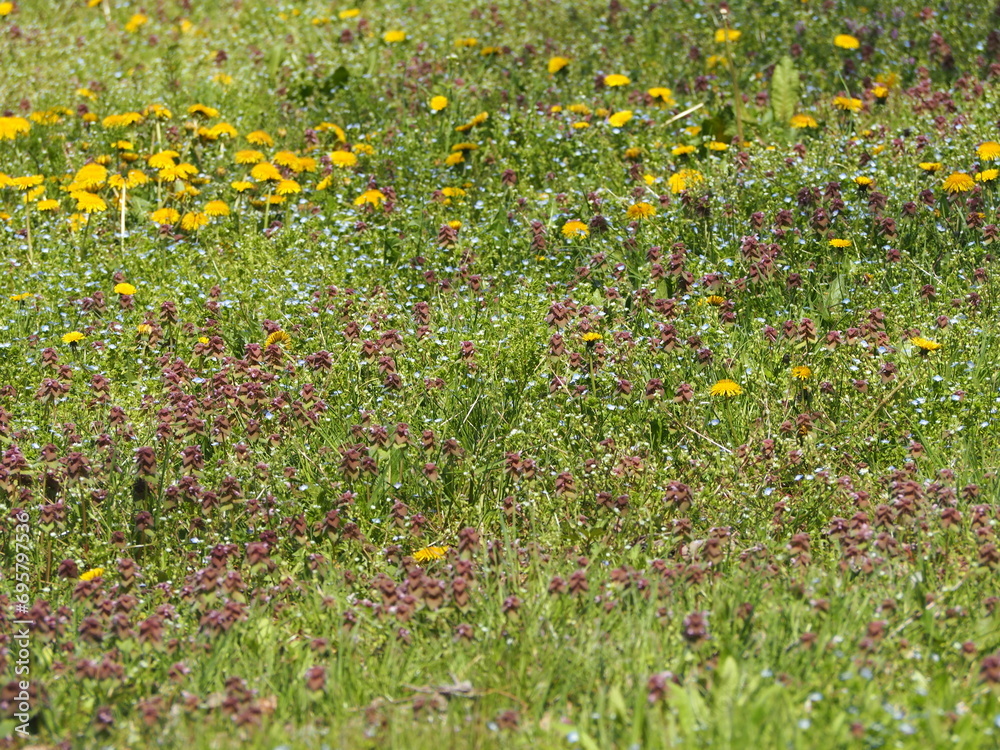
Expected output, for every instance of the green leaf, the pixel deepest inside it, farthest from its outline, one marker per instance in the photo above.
(338, 79)
(616, 702)
(721, 126)
(784, 90)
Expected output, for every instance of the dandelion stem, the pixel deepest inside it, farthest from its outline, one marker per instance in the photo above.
(27, 229)
(121, 224)
(737, 94)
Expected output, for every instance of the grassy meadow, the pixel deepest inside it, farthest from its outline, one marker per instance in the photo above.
(526, 373)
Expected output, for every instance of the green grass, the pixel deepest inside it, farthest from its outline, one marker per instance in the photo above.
(630, 562)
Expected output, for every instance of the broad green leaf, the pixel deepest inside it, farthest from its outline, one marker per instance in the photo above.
(784, 90)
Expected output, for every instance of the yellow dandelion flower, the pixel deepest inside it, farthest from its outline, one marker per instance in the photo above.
(165, 216)
(11, 127)
(801, 122)
(665, 95)
(182, 171)
(335, 129)
(91, 574)
(575, 228)
(394, 37)
(163, 159)
(639, 211)
(135, 177)
(192, 221)
(88, 202)
(6, 8)
(715, 300)
(616, 79)
(216, 208)
(726, 388)
(306, 164)
(987, 175)
(136, 22)
(846, 41)
(847, 104)
(989, 151)
(480, 118)
(49, 204)
(265, 171)
(278, 337)
(373, 198)
(839, 243)
(158, 111)
(428, 554)
(618, 119)
(456, 158)
(288, 187)
(557, 63)
(437, 103)
(925, 345)
(930, 166)
(122, 121)
(727, 35)
(348, 14)
(241, 186)
(801, 372)
(124, 289)
(72, 337)
(686, 178)
(591, 337)
(249, 156)
(91, 176)
(343, 159)
(27, 183)
(203, 111)
(51, 117)
(959, 182)
(682, 150)
(477, 120)
(718, 146)
(260, 138)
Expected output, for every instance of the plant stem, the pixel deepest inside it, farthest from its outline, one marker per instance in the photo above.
(737, 94)
(27, 229)
(121, 223)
